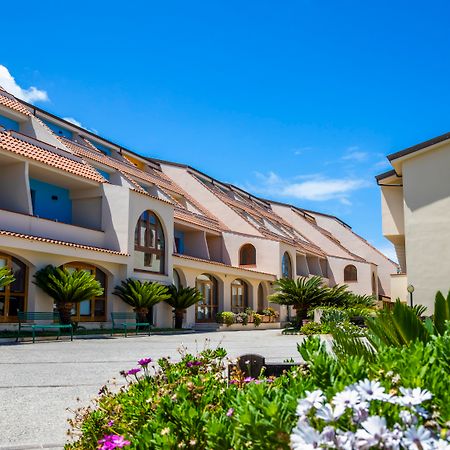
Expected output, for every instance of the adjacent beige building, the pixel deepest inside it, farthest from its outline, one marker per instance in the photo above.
(71, 198)
(415, 197)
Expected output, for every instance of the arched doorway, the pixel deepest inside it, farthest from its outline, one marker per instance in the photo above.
(13, 297)
(206, 309)
(239, 296)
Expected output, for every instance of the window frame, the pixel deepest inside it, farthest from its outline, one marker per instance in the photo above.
(7, 294)
(212, 304)
(145, 220)
(244, 251)
(239, 306)
(353, 276)
(287, 257)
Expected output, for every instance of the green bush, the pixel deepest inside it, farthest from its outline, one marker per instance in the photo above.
(226, 317)
(191, 403)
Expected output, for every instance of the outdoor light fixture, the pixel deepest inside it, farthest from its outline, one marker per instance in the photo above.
(410, 289)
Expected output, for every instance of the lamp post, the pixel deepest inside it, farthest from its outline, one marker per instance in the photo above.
(410, 289)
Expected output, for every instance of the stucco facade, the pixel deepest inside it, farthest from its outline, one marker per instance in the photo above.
(416, 219)
(71, 198)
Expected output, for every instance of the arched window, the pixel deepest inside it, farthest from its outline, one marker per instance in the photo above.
(93, 309)
(261, 299)
(247, 255)
(14, 296)
(176, 279)
(350, 273)
(286, 266)
(206, 309)
(239, 296)
(149, 243)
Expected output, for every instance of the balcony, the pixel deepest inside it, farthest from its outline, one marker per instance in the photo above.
(35, 226)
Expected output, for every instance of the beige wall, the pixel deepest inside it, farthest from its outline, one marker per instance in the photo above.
(427, 223)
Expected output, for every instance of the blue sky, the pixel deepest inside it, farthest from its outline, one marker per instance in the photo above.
(299, 101)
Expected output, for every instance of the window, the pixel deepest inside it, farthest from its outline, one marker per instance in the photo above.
(149, 243)
(14, 296)
(93, 309)
(206, 309)
(286, 266)
(239, 296)
(247, 255)
(350, 273)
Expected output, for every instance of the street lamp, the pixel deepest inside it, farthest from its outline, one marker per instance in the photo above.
(410, 289)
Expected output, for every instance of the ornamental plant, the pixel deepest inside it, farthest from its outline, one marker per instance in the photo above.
(180, 299)
(141, 295)
(6, 277)
(67, 288)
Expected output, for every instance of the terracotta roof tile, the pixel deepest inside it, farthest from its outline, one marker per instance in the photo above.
(193, 258)
(57, 242)
(12, 103)
(31, 151)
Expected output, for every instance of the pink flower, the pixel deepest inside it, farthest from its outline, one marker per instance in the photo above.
(110, 423)
(230, 412)
(144, 362)
(112, 441)
(133, 371)
(249, 379)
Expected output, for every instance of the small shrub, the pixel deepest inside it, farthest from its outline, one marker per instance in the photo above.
(312, 328)
(226, 317)
(257, 319)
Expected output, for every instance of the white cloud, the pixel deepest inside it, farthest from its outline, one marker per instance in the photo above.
(314, 187)
(31, 95)
(74, 121)
(355, 154)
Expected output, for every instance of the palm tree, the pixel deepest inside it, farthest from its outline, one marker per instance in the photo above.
(180, 299)
(302, 294)
(6, 277)
(141, 295)
(67, 288)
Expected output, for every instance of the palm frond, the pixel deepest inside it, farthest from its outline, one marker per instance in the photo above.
(141, 294)
(6, 277)
(183, 297)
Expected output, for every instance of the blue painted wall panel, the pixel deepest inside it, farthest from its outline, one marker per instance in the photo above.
(50, 201)
(101, 147)
(9, 124)
(179, 239)
(61, 131)
(103, 173)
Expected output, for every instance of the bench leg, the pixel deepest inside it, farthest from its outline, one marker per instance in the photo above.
(112, 329)
(18, 334)
(71, 333)
(34, 334)
(59, 334)
(149, 329)
(125, 330)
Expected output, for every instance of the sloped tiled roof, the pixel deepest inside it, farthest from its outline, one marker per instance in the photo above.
(45, 156)
(10, 102)
(58, 242)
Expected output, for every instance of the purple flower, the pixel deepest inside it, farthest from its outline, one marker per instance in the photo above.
(233, 381)
(248, 379)
(112, 441)
(230, 412)
(144, 362)
(110, 423)
(193, 363)
(133, 371)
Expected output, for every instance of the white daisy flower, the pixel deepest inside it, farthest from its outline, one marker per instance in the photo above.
(373, 432)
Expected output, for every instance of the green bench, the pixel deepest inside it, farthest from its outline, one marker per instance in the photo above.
(128, 320)
(41, 321)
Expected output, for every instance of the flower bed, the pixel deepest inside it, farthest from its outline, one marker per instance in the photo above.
(398, 397)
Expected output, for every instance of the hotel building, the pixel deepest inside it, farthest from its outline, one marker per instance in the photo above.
(71, 198)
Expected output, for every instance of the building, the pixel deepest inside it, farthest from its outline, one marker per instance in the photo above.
(415, 198)
(71, 198)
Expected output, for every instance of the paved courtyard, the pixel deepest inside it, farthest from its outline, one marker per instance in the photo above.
(38, 382)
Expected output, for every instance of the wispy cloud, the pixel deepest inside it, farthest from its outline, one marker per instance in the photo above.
(31, 95)
(355, 154)
(316, 187)
(74, 121)
(389, 251)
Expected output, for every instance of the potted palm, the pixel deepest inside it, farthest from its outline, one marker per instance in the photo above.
(6, 277)
(141, 295)
(67, 288)
(180, 299)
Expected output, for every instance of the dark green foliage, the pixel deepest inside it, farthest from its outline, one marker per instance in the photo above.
(67, 287)
(141, 294)
(180, 299)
